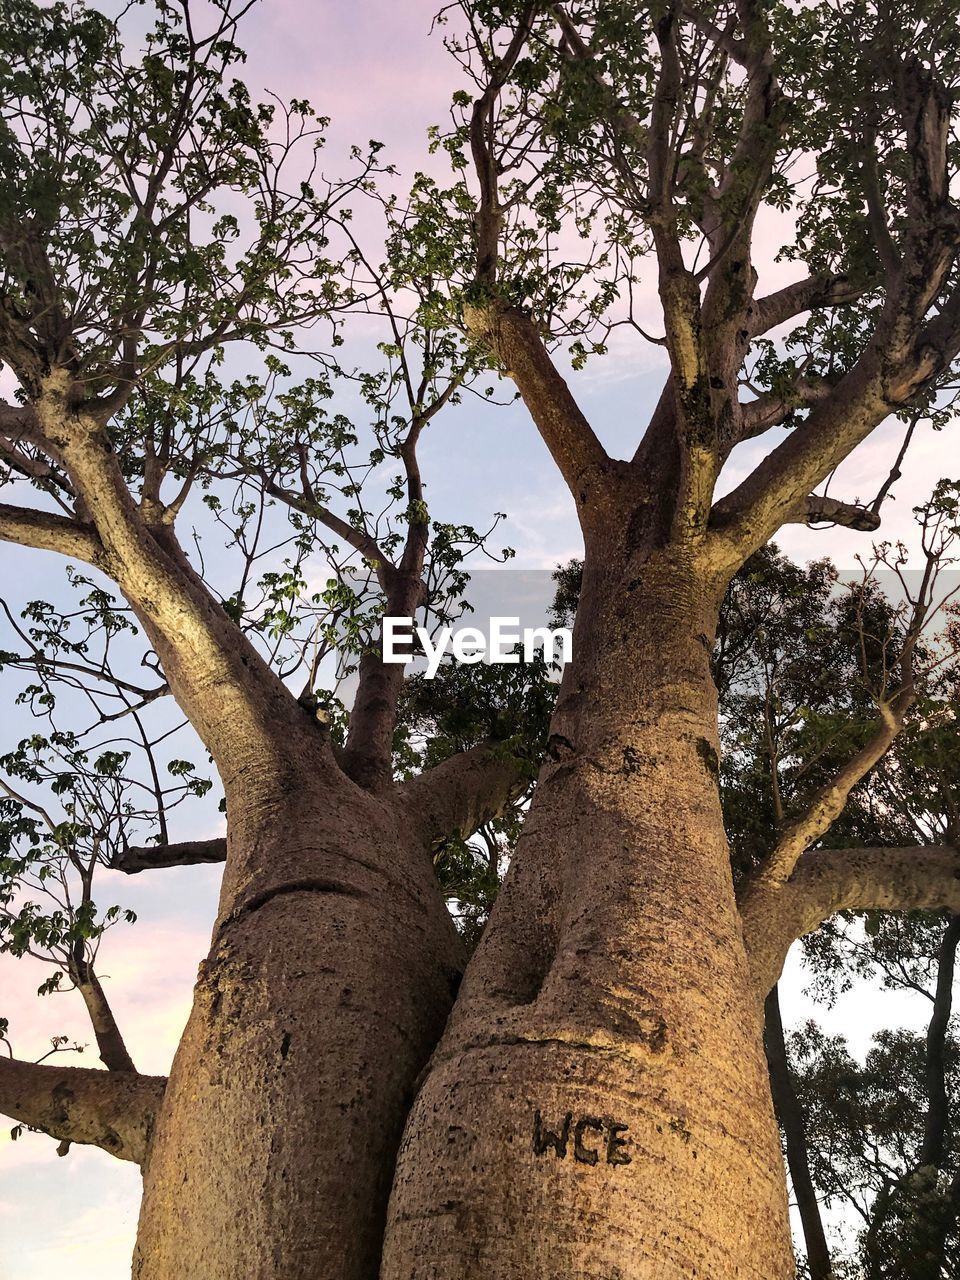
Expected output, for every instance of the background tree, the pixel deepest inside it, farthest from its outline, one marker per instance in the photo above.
(597, 1098)
(882, 1133)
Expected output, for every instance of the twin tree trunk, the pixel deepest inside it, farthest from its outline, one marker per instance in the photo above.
(333, 966)
(598, 1106)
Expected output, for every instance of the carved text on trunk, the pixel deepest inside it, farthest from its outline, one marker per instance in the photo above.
(590, 1138)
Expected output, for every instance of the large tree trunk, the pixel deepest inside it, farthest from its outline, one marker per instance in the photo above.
(599, 1106)
(332, 969)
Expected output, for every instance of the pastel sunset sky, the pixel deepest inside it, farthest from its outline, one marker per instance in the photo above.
(374, 67)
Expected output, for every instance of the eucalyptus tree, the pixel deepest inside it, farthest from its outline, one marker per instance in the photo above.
(871, 1141)
(877, 1144)
(595, 1100)
(876, 1140)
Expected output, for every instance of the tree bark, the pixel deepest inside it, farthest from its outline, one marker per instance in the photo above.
(113, 1051)
(937, 1118)
(826, 881)
(186, 853)
(599, 1105)
(114, 1110)
(332, 968)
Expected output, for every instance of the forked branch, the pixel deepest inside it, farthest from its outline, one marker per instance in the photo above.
(903, 357)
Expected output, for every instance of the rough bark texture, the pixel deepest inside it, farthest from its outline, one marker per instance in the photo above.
(826, 881)
(332, 968)
(599, 1105)
(114, 1110)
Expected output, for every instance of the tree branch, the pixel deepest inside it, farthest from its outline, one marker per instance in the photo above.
(238, 705)
(482, 130)
(505, 331)
(368, 750)
(790, 1115)
(820, 510)
(901, 359)
(772, 408)
(830, 801)
(468, 789)
(821, 290)
(738, 50)
(359, 539)
(49, 532)
(937, 1118)
(512, 337)
(679, 294)
(113, 1110)
(876, 211)
(826, 881)
(113, 1052)
(152, 857)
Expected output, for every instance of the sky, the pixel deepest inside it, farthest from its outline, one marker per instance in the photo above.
(373, 66)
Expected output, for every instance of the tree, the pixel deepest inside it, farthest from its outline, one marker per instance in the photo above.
(874, 1139)
(877, 1138)
(595, 1101)
(881, 1133)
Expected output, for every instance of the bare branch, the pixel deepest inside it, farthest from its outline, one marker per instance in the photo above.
(113, 1052)
(151, 857)
(895, 472)
(512, 337)
(821, 510)
(49, 532)
(459, 795)
(822, 290)
(831, 799)
(113, 1110)
(359, 539)
(826, 881)
(774, 407)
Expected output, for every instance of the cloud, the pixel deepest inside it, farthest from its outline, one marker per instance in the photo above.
(83, 1223)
